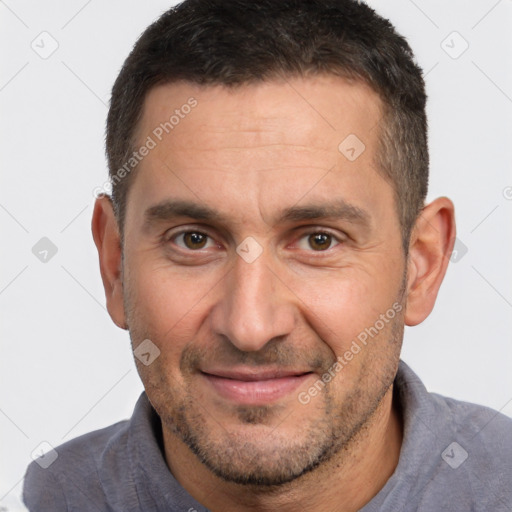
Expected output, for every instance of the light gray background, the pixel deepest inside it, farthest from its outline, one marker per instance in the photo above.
(66, 369)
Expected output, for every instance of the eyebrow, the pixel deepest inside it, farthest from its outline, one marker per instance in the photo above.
(170, 209)
(340, 209)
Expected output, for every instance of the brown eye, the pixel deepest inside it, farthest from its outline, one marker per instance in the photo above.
(320, 241)
(192, 240)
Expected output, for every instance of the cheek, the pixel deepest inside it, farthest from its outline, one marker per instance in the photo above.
(346, 309)
(163, 312)
(167, 304)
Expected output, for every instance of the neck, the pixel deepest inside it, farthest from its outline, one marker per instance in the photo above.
(347, 482)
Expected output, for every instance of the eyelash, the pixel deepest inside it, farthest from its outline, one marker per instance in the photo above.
(317, 231)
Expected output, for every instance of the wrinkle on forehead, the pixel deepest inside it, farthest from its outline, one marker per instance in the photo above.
(300, 112)
(261, 147)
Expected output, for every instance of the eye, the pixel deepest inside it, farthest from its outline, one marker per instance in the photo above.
(318, 241)
(191, 240)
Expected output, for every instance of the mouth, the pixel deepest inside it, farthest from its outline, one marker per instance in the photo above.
(254, 387)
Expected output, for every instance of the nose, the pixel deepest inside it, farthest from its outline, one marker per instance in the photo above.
(255, 306)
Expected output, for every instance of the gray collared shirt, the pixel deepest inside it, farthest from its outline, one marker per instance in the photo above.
(455, 456)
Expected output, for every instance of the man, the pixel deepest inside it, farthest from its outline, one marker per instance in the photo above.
(265, 243)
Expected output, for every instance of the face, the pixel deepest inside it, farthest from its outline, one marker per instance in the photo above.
(265, 263)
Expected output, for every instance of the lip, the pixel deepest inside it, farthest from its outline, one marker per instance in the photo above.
(256, 387)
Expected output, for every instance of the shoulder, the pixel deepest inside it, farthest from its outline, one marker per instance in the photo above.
(73, 469)
(478, 451)
(463, 450)
(485, 428)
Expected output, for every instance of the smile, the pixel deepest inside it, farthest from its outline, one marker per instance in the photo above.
(254, 387)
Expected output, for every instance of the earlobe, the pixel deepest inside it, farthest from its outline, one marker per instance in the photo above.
(431, 245)
(106, 237)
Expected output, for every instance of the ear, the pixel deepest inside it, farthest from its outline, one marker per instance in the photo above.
(430, 248)
(108, 242)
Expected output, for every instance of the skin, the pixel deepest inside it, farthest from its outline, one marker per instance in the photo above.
(250, 153)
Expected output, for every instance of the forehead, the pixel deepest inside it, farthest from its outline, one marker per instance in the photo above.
(312, 112)
(266, 141)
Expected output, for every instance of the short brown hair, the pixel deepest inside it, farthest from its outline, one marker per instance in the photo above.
(232, 42)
